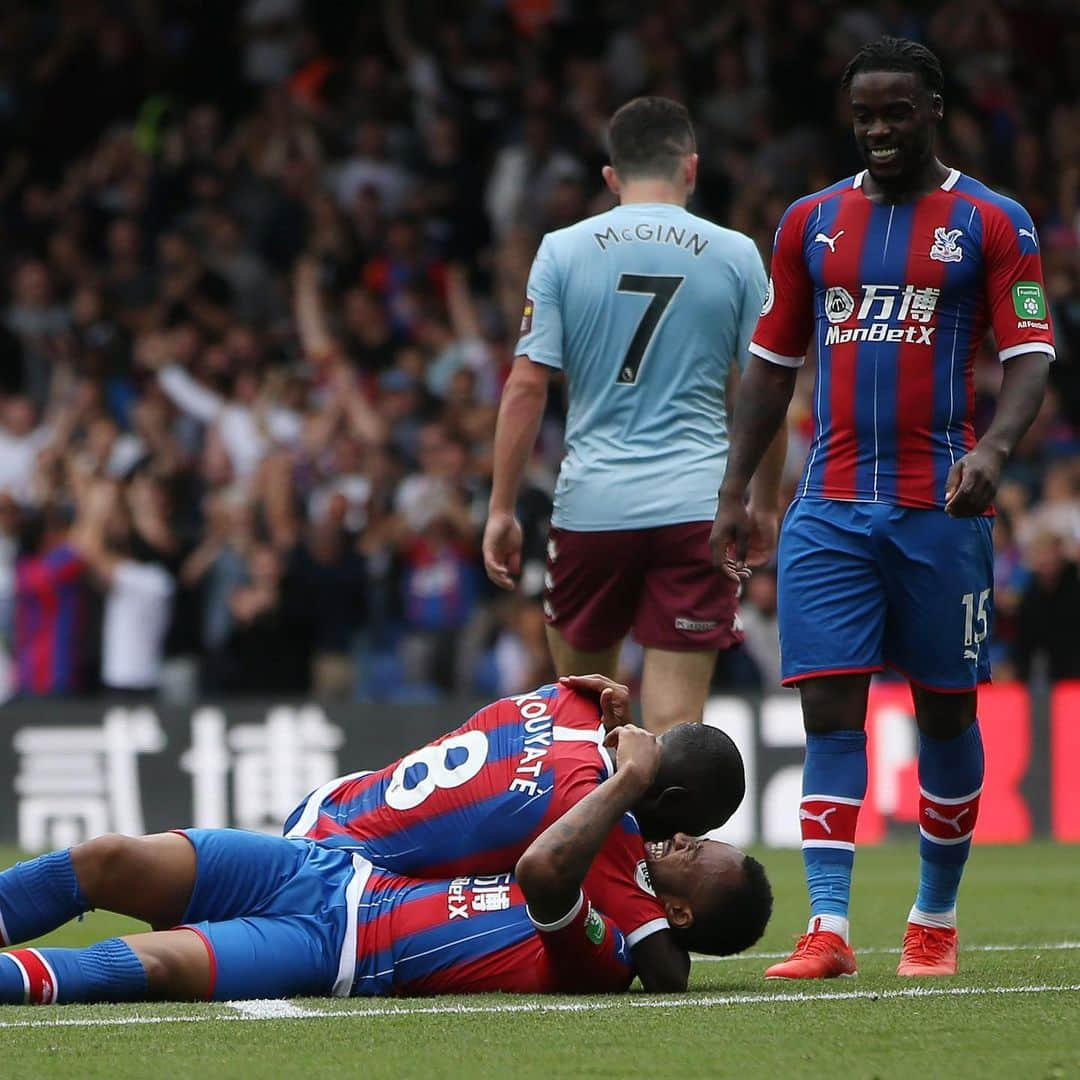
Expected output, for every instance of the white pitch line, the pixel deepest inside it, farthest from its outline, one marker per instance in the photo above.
(269, 1009)
(680, 1001)
(1053, 946)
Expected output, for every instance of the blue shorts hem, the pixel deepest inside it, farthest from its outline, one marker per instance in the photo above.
(822, 673)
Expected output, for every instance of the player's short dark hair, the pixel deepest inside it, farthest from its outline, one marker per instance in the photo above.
(706, 761)
(649, 136)
(736, 920)
(896, 54)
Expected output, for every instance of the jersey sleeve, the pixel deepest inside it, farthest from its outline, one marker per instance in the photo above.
(1016, 293)
(587, 952)
(541, 321)
(755, 287)
(787, 314)
(618, 881)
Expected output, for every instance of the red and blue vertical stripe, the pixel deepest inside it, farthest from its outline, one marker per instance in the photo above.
(50, 619)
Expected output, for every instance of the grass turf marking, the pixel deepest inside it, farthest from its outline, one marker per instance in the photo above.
(269, 1009)
(266, 1012)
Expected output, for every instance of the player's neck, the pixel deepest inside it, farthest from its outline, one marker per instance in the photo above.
(653, 191)
(930, 177)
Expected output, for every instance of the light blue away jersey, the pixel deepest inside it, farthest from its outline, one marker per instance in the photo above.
(644, 309)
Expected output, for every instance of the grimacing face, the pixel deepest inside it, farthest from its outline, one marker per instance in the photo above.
(692, 870)
(894, 118)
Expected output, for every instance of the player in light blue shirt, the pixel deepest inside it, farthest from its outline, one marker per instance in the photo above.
(647, 310)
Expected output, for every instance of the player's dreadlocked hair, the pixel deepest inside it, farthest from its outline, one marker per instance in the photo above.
(649, 136)
(896, 54)
(736, 920)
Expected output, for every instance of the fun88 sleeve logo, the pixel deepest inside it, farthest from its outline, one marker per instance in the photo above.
(883, 306)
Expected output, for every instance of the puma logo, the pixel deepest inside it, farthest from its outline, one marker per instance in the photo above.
(953, 821)
(1030, 233)
(805, 815)
(821, 238)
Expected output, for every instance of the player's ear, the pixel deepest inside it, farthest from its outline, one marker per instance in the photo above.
(673, 806)
(690, 172)
(611, 178)
(937, 106)
(678, 913)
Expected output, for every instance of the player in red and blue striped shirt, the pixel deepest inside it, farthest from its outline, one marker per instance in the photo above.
(257, 916)
(472, 801)
(886, 555)
(52, 599)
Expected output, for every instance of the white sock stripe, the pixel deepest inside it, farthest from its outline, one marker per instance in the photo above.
(948, 841)
(841, 800)
(942, 920)
(25, 976)
(950, 802)
(52, 976)
(842, 845)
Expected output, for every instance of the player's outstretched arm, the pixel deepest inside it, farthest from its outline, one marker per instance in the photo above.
(973, 480)
(554, 865)
(520, 412)
(764, 395)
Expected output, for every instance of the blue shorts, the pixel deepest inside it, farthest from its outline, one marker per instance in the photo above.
(277, 916)
(862, 586)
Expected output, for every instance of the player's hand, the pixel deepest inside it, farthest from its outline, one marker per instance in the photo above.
(972, 482)
(502, 549)
(730, 537)
(636, 752)
(614, 696)
(764, 528)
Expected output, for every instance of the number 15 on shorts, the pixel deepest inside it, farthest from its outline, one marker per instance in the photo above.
(976, 622)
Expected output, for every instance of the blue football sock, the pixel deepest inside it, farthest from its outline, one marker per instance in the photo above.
(108, 971)
(38, 896)
(834, 785)
(951, 776)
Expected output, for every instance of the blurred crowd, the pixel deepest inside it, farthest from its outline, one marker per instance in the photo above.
(262, 268)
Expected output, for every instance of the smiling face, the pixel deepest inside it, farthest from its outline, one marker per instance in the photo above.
(689, 874)
(895, 118)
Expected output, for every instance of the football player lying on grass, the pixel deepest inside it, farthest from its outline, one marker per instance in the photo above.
(254, 916)
(472, 801)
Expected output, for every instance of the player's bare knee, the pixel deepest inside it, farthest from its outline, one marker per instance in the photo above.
(832, 705)
(943, 716)
(158, 969)
(97, 862)
(174, 968)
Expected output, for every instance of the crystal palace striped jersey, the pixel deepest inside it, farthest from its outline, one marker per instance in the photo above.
(898, 298)
(474, 934)
(472, 801)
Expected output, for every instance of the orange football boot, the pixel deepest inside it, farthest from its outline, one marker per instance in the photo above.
(820, 954)
(928, 950)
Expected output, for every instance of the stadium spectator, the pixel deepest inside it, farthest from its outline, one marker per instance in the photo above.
(52, 608)
(123, 535)
(1047, 641)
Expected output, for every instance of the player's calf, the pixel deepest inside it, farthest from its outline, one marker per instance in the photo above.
(950, 778)
(39, 895)
(108, 971)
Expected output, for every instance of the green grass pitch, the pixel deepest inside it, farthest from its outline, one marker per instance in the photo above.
(1014, 1010)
